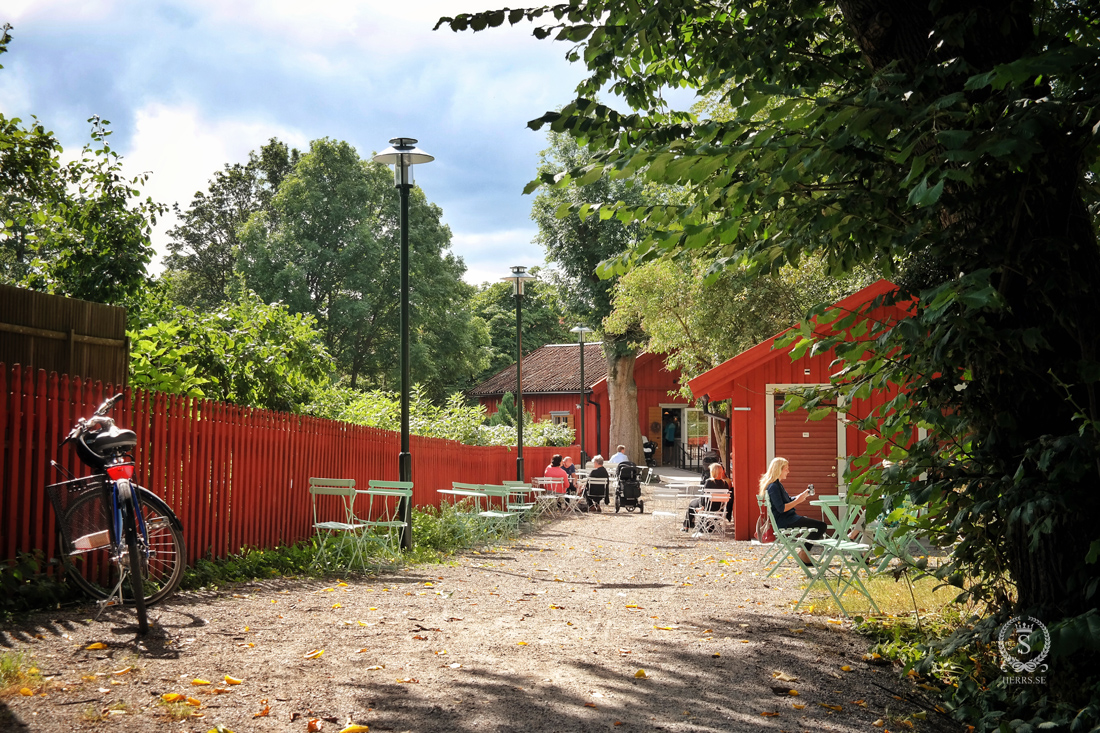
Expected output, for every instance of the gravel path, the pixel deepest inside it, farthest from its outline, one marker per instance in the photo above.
(550, 633)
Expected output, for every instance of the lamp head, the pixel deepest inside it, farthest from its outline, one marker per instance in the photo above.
(517, 278)
(580, 331)
(402, 155)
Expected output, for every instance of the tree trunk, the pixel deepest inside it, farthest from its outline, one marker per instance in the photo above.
(622, 393)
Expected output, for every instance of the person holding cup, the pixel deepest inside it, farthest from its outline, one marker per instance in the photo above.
(783, 506)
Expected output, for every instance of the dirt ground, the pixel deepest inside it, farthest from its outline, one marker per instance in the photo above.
(595, 623)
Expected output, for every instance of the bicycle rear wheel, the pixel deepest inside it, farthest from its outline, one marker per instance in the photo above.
(135, 551)
(96, 571)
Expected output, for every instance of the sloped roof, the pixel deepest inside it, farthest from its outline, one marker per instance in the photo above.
(716, 382)
(549, 369)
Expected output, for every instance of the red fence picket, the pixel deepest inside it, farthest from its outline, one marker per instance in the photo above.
(235, 476)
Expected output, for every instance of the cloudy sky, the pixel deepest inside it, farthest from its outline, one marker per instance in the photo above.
(190, 85)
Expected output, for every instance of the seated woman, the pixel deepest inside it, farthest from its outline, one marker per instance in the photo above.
(554, 470)
(716, 482)
(782, 505)
(599, 473)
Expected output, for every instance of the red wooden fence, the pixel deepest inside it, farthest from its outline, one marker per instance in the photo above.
(236, 477)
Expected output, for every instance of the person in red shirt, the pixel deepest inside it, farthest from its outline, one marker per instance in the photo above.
(554, 470)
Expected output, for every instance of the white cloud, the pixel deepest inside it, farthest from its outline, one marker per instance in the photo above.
(488, 255)
(183, 149)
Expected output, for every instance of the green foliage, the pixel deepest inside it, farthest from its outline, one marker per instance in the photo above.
(328, 245)
(74, 229)
(25, 586)
(245, 352)
(545, 320)
(250, 564)
(506, 411)
(454, 420)
(950, 147)
(698, 319)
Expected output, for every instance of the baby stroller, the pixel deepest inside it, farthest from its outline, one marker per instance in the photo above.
(628, 490)
(650, 449)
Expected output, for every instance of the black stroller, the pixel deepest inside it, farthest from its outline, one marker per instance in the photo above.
(649, 448)
(628, 490)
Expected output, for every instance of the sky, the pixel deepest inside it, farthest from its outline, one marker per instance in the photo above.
(190, 85)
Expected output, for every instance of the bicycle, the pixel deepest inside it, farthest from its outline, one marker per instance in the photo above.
(119, 542)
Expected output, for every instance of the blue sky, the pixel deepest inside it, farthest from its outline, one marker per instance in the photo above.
(190, 85)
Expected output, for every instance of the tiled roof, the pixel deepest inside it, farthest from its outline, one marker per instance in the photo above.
(548, 369)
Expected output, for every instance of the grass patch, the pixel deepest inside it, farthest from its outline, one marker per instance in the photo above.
(17, 671)
(927, 596)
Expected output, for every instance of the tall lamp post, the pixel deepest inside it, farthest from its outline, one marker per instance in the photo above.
(403, 155)
(517, 278)
(581, 331)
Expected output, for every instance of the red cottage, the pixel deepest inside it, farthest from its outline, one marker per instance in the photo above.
(755, 381)
(551, 391)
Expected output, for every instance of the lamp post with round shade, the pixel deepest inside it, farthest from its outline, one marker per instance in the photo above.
(403, 155)
(581, 331)
(517, 278)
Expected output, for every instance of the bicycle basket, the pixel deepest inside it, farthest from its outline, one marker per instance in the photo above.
(84, 522)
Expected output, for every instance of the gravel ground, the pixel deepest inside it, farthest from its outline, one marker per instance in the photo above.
(601, 622)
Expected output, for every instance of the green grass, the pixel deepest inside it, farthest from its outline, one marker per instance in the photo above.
(17, 671)
(927, 596)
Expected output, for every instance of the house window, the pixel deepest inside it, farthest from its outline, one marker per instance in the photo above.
(560, 418)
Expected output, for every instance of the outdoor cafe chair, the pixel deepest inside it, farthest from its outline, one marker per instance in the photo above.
(345, 528)
(383, 521)
(711, 521)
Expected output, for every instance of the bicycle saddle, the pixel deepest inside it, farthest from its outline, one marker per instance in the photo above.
(112, 439)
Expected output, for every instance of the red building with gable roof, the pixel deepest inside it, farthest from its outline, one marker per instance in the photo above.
(756, 381)
(551, 391)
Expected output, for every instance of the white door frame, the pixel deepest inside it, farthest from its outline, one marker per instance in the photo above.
(841, 434)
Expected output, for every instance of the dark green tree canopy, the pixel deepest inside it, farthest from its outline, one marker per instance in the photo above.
(950, 145)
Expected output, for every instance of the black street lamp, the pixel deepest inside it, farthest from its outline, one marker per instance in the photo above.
(581, 331)
(402, 155)
(518, 276)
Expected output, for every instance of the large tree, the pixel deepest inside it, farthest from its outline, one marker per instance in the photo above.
(544, 320)
(950, 144)
(200, 267)
(327, 244)
(76, 228)
(575, 246)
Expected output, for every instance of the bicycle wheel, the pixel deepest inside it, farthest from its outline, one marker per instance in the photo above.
(96, 572)
(135, 551)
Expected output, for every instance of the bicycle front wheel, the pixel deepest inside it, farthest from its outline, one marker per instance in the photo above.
(96, 571)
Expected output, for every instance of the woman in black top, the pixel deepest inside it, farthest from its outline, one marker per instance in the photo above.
(782, 505)
(716, 482)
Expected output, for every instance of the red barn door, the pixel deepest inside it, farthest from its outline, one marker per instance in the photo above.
(811, 447)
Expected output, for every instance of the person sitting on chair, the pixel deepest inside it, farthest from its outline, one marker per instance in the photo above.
(782, 505)
(620, 456)
(599, 472)
(554, 470)
(569, 468)
(716, 482)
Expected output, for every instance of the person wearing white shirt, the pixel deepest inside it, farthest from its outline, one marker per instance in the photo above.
(620, 456)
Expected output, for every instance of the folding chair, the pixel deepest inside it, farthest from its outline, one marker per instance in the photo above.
(504, 514)
(347, 529)
(712, 520)
(597, 489)
(383, 520)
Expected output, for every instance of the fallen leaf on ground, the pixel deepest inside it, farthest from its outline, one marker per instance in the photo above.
(232, 680)
(313, 726)
(197, 681)
(337, 605)
(97, 645)
(640, 674)
(831, 707)
(521, 643)
(172, 697)
(784, 677)
(590, 704)
(263, 713)
(796, 706)
(377, 666)
(26, 692)
(879, 723)
(845, 668)
(194, 701)
(355, 728)
(793, 693)
(769, 715)
(124, 670)
(315, 654)
(408, 680)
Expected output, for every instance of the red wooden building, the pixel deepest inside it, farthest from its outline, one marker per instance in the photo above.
(756, 381)
(552, 391)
